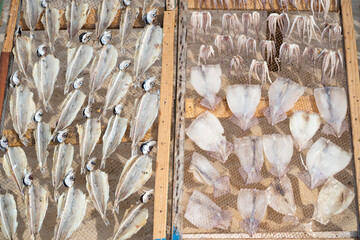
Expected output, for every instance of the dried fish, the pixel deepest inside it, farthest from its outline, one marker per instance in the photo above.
(252, 204)
(268, 50)
(249, 150)
(32, 11)
(126, 24)
(205, 52)
(243, 101)
(145, 114)
(324, 160)
(334, 198)
(42, 50)
(22, 109)
(89, 134)
(15, 79)
(36, 202)
(51, 22)
(8, 215)
(76, 15)
(283, 94)
(148, 49)
(148, 84)
(206, 80)
(332, 105)
(204, 172)
(205, 214)
(224, 44)
(97, 184)
(22, 53)
(133, 220)
(303, 127)
(207, 132)
(147, 146)
(200, 22)
(278, 150)
(106, 15)
(261, 71)
(71, 212)
(135, 174)
(42, 136)
(150, 16)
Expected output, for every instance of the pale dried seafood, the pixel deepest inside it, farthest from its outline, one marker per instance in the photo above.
(260, 70)
(205, 214)
(290, 53)
(276, 20)
(332, 32)
(126, 24)
(246, 19)
(205, 172)
(306, 27)
(206, 80)
(51, 22)
(106, 15)
(8, 215)
(76, 14)
(249, 150)
(207, 132)
(224, 44)
(246, 45)
(231, 24)
(150, 15)
(268, 50)
(42, 136)
(310, 55)
(22, 53)
(330, 63)
(256, 23)
(200, 22)
(205, 52)
(32, 11)
(237, 63)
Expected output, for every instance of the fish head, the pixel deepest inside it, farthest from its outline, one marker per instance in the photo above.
(15, 79)
(85, 37)
(90, 166)
(124, 64)
(148, 84)
(69, 179)
(78, 83)
(146, 197)
(150, 16)
(44, 4)
(18, 31)
(146, 147)
(27, 179)
(118, 109)
(4, 143)
(105, 38)
(61, 136)
(87, 111)
(38, 116)
(42, 50)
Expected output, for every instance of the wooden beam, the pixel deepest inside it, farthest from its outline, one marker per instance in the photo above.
(193, 107)
(92, 19)
(164, 128)
(170, 5)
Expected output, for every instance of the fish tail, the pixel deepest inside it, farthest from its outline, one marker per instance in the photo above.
(103, 162)
(24, 140)
(116, 209)
(56, 195)
(106, 221)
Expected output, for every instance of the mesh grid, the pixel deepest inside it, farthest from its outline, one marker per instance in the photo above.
(306, 76)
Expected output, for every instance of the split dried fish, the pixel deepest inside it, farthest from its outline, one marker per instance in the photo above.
(106, 15)
(97, 184)
(324, 159)
(332, 105)
(32, 11)
(249, 150)
(36, 202)
(8, 215)
(303, 127)
(126, 24)
(243, 101)
(205, 52)
(42, 136)
(278, 150)
(148, 49)
(205, 214)
(133, 220)
(22, 53)
(145, 114)
(62, 160)
(51, 22)
(224, 44)
(45, 74)
(22, 110)
(71, 212)
(89, 135)
(76, 15)
(260, 70)
(135, 174)
(252, 204)
(334, 198)
(283, 94)
(207, 132)
(200, 22)
(205, 172)
(206, 80)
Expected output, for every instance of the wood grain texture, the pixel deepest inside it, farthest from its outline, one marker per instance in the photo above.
(92, 18)
(352, 69)
(170, 5)
(9, 36)
(4, 68)
(164, 128)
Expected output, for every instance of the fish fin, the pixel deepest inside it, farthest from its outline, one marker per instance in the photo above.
(344, 127)
(274, 172)
(245, 124)
(306, 145)
(223, 181)
(328, 130)
(250, 178)
(210, 106)
(291, 219)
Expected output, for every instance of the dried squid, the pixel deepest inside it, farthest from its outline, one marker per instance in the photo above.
(260, 69)
(8, 215)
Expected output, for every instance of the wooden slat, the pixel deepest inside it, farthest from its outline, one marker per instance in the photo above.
(92, 18)
(352, 69)
(170, 5)
(164, 128)
(193, 107)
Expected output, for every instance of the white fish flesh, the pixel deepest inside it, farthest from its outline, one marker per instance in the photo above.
(36, 202)
(127, 21)
(42, 135)
(249, 150)
(8, 214)
(278, 150)
(252, 204)
(117, 89)
(45, 74)
(145, 114)
(22, 53)
(207, 132)
(32, 11)
(71, 212)
(334, 198)
(113, 135)
(62, 160)
(78, 59)
(283, 94)
(281, 198)
(76, 15)
(205, 214)
(303, 127)
(243, 101)
(15, 165)
(89, 135)
(97, 184)
(148, 49)
(106, 15)
(206, 80)
(204, 172)
(324, 159)
(136, 172)
(22, 109)
(103, 64)
(134, 219)
(69, 109)
(51, 22)
(332, 105)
